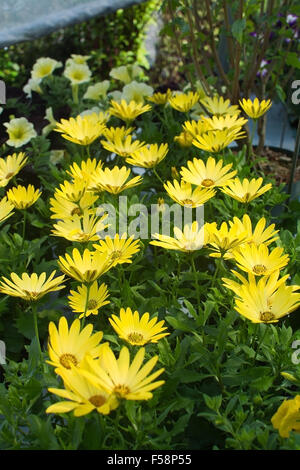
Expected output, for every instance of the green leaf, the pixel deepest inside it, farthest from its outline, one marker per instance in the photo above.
(190, 308)
(179, 325)
(262, 384)
(280, 93)
(237, 29)
(292, 59)
(213, 403)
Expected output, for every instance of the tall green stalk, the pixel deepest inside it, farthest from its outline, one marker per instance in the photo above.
(88, 287)
(36, 330)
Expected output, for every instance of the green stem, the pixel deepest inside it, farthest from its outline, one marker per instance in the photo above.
(218, 265)
(88, 151)
(75, 93)
(253, 132)
(157, 176)
(259, 344)
(196, 282)
(34, 311)
(23, 229)
(121, 278)
(88, 287)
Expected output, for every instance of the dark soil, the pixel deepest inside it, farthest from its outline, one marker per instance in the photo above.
(279, 163)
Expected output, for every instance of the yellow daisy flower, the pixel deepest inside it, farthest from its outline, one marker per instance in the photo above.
(258, 260)
(125, 380)
(183, 193)
(10, 166)
(113, 180)
(122, 144)
(31, 287)
(72, 191)
(117, 133)
(86, 268)
(287, 417)
(223, 240)
(174, 173)
(183, 102)
(22, 197)
(128, 111)
(135, 330)
(69, 346)
(64, 209)
(218, 106)
(148, 156)
(195, 128)
(184, 139)
(6, 209)
(118, 249)
(211, 174)
(245, 191)
(81, 130)
(192, 238)
(85, 170)
(160, 98)
(260, 234)
(256, 108)
(20, 132)
(81, 229)
(216, 140)
(97, 299)
(270, 283)
(225, 122)
(82, 395)
(265, 301)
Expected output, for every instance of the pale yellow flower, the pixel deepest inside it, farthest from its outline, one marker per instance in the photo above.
(20, 132)
(126, 73)
(97, 91)
(44, 67)
(77, 73)
(135, 91)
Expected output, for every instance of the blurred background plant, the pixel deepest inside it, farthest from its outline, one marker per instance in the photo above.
(238, 48)
(111, 40)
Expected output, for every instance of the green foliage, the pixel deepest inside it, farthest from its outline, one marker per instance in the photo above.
(223, 375)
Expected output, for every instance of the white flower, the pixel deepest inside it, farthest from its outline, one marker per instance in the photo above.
(20, 132)
(52, 123)
(115, 95)
(56, 156)
(95, 92)
(77, 73)
(43, 67)
(32, 85)
(126, 73)
(136, 91)
(77, 59)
